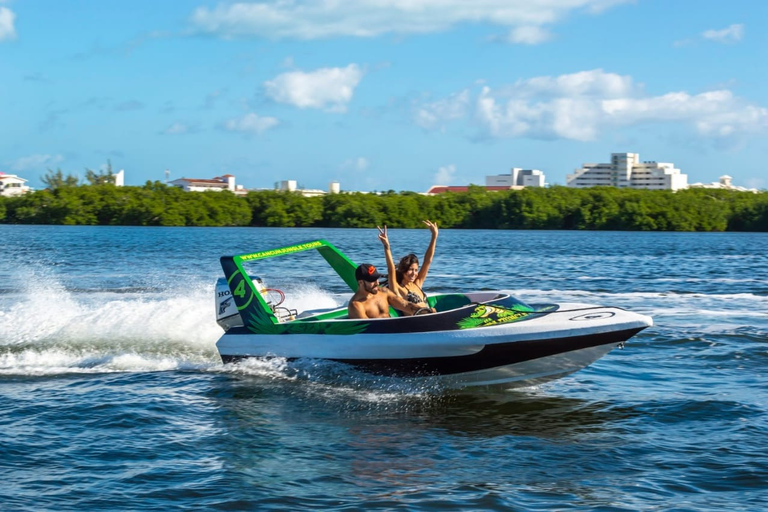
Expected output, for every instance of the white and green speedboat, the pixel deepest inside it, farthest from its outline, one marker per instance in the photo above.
(474, 339)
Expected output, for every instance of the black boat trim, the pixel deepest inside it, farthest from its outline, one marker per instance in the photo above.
(491, 356)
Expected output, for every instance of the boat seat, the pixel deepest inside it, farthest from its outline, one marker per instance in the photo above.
(312, 315)
(313, 312)
(448, 302)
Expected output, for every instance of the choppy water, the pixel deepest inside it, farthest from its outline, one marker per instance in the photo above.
(113, 396)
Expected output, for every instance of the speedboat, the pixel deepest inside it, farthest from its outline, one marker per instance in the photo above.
(484, 338)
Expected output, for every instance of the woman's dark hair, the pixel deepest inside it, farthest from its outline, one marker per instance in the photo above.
(404, 265)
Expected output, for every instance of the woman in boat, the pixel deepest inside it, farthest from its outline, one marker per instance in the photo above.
(408, 277)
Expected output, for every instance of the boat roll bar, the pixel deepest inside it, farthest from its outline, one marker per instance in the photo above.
(250, 303)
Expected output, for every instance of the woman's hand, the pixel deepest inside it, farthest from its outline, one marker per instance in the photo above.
(383, 237)
(432, 227)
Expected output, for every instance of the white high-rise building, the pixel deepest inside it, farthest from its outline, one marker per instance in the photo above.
(626, 171)
(518, 178)
(292, 186)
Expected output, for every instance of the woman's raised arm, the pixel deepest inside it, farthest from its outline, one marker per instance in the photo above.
(392, 279)
(424, 270)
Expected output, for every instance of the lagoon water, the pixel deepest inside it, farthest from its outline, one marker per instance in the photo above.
(113, 396)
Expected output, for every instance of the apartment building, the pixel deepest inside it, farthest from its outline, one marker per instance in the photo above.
(518, 178)
(627, 171)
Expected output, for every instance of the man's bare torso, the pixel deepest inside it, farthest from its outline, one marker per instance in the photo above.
(374, 305)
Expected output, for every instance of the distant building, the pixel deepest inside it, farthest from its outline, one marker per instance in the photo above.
(120, 178)
(723, 183)
(12, 185)
(518, 178)
(291, 186)
(217, 184)
(442, 189)
(515, 180)
(626, 171)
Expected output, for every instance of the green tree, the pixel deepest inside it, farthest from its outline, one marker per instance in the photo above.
(352, 210)
(56, 179)
(156, 204)
(102, 177)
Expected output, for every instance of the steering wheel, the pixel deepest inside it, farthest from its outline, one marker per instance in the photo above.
(274, 296)
(423, 311)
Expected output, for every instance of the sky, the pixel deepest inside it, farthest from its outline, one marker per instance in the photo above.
(381, 94)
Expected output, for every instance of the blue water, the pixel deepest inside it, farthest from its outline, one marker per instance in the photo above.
(113, 396)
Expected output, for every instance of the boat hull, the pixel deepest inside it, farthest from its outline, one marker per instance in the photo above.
(527, 373)
(541, 348)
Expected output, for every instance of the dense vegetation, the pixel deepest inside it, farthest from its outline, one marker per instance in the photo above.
(99, 202)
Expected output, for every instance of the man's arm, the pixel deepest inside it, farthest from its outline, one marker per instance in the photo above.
(400, 303)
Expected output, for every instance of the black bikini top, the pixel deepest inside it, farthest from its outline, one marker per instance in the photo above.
(414, 298)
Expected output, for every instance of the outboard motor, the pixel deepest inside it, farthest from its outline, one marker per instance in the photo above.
(226, 311)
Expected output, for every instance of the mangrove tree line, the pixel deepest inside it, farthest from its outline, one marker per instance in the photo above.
(99, 202)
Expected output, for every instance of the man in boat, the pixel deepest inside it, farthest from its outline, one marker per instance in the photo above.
(370, 301)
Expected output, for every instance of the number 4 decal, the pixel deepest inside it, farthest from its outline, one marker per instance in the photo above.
(240, 289)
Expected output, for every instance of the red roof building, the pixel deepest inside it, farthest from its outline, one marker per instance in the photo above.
(442, 189)
(217, 184)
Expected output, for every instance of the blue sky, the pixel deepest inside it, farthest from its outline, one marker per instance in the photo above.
(382, 94)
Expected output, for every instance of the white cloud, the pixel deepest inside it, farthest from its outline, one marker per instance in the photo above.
(445, 175)
(7, 30)
(682, 42)
(326, 88)
(356, 164)
(563, 117)
(251, 123)
(580, 106)
(304, 19)
(529, 35)
(596, 83)
(434, 115)
(729, 35)
(713, 114)
(35, 162)
(177, 129)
